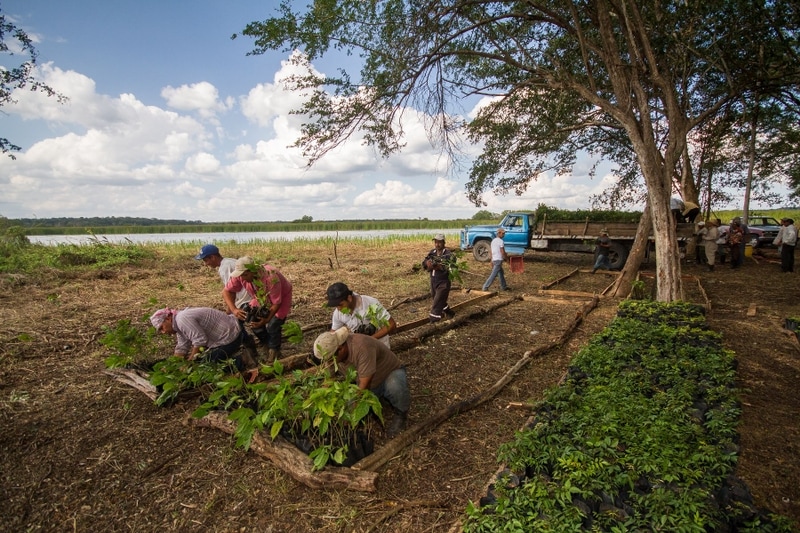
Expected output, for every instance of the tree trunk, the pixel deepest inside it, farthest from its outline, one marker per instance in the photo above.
(622, 288)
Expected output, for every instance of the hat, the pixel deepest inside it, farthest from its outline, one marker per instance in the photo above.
(604, 231)
(160, 316)
(328, 342)
(501, 229)
(336, 293)
(205, 251)
(241, 266)
(439, 237)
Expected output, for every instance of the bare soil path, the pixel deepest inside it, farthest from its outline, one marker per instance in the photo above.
(80, 452)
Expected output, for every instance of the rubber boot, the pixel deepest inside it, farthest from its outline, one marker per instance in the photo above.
(398, 424)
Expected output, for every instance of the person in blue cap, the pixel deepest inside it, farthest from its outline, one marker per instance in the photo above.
(212, 258)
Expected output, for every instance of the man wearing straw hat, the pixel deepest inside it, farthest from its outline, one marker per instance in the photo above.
(602, 249)
(437, 262)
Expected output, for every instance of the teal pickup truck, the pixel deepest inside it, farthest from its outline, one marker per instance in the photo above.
(524, 232)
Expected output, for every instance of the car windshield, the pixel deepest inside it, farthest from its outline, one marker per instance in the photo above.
(763, 221)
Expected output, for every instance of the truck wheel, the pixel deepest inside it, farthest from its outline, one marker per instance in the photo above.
(482, 251)
(617, 254)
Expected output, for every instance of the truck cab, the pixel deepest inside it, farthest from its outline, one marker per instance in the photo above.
(517, 239)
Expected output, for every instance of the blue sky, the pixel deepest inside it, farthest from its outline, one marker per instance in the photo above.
(169, 118)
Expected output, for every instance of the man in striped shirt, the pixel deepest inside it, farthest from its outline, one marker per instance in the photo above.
(208, 335)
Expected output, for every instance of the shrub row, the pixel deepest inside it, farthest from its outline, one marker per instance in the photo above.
(640, 436)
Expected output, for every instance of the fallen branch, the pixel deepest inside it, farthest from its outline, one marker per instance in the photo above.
(288, 458)
(559, 280)
(134, 378)
(392, 448)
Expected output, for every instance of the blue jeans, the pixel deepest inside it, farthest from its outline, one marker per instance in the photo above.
(603, 262)
(497, 270)
(270, 334)
(395, 389)
(228, 351)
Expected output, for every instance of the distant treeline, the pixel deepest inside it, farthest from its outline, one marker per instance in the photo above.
(95, 222)
(236, 227)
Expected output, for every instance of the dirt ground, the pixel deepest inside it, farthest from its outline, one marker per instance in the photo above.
(82, 452)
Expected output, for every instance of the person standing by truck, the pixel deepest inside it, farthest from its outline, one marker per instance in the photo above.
(602, 250)
(787, 239)
(709, 234)
(498, 256)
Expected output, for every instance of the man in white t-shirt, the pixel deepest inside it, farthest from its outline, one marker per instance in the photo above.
(360, 313)
(210, 256)
(498, 256)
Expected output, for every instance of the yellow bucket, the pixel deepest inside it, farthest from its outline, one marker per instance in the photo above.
(748, 250)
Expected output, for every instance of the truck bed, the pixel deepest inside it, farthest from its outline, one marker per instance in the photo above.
(591, 230)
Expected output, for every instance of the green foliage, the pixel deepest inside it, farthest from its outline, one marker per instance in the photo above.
(176, 374)
(645, 422)
(128, 343)
(29, 258)
(485, 214)
(20, 76)
(376, 316)
(292, 331)
(310, 406)
(592, 215)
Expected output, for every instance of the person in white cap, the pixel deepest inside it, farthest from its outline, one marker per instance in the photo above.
(438, 262)
(377, 367)
(265, 284)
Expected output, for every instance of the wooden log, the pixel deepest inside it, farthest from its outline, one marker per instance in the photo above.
(423, 321)
(577, 294)
(291, 460)
(134, 378)
(549, 300)
(393, 447)
(559, 280)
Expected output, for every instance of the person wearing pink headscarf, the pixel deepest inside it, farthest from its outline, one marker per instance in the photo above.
(209, 334)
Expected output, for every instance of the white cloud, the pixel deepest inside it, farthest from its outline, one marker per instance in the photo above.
(202, 97)
(118, 156)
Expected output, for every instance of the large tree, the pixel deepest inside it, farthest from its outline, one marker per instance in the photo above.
(15, 43)
(603, 76)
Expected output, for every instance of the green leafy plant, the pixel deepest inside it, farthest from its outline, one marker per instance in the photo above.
(176, 374)
(645, 424)
(128, 343)
(312, 407)
(292, 331)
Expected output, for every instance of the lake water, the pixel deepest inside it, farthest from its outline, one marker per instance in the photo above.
(223, 237)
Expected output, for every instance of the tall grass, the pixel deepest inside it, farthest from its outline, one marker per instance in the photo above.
(25, 258)
(245, 227)
(727, 215)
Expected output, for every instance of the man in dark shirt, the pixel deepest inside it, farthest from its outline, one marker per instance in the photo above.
(377, 367)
